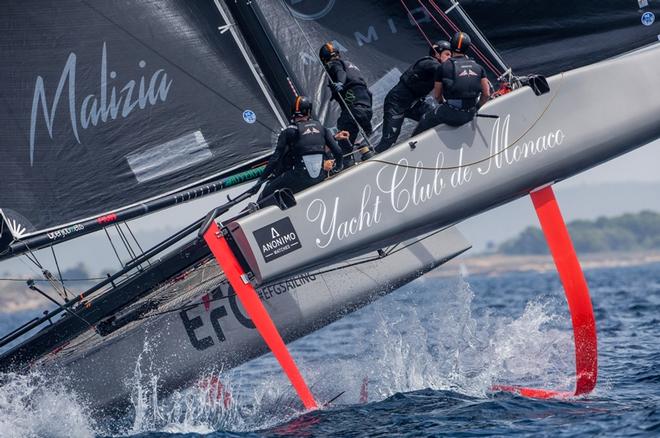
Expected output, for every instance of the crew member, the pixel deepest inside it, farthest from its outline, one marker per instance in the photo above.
(350, 91)
(461, 88)
(408, 97)
(300, 159)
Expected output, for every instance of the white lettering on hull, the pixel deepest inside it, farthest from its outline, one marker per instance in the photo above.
(405, 187)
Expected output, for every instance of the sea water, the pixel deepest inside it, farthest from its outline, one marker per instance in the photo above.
(420, 362)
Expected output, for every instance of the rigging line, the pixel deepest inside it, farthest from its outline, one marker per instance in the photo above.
(69, 311)
(475, 48)
(133, 236)
(343, 102)
(136, 241)
(30, 267)
(414, 20)
(478, 52)
(183, 70)
(483, 160)
(113, 247)
(66, 293)
(127, 246)
(453, 26)
(69, 280)
(33, 257)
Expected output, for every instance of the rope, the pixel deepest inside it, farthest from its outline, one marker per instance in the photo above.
(59, 273)
(412, 18)
(476, 50)
(244, 176)
(34, 258)
(127, 245)
(113, 247)
(63, 280)
(512, 144)
(136, 241)
(343, 102)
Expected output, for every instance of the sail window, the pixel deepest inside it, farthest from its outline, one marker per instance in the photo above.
(169, 157)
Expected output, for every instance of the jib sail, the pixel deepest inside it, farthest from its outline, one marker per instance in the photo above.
(108, 103)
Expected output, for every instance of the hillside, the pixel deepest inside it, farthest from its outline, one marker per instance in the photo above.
(628, 232)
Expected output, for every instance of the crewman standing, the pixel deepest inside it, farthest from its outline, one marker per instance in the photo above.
(350, 90)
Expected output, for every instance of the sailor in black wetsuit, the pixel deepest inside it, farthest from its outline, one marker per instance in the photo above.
(408, 98)
(350, 91)
(300, 158)
(461, 87)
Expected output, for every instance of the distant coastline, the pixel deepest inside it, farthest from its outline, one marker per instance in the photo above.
(498, 264)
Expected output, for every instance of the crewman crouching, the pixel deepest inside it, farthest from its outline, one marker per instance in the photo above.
(300, 159)
(461, 88)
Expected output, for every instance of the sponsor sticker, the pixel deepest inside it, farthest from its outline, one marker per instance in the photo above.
(277, 239)
(643, 3)
(648, 18)
(249, 116)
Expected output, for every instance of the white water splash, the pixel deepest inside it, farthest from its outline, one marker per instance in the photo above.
(35, 406)
(419, 338)
(214, 403)
(440, 344)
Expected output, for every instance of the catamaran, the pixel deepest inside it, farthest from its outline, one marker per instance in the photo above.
(114, 110)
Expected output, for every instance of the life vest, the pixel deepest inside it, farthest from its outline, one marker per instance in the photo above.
(309, 146)
(461, 82)
(420, 80)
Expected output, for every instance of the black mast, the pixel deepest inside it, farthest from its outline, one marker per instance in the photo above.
(266, 51)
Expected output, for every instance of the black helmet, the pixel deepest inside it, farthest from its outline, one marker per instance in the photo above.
(460, 42)
(439, 47)
(302, 106)
(327, 51)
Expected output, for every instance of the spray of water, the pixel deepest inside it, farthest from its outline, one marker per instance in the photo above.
(416, 339)
(34, 405)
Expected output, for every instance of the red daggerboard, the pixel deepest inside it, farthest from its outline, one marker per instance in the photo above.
(257, 312)
(577, 295)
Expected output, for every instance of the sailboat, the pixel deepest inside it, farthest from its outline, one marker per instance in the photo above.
(121, 109)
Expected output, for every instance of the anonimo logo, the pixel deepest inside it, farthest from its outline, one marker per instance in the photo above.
(277, 239)
(310, 9)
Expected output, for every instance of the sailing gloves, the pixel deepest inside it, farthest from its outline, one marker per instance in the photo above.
(336, 87)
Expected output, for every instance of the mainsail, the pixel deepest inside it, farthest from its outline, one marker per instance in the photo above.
(106, 104)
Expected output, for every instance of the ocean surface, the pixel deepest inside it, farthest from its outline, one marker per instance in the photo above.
(419, 362)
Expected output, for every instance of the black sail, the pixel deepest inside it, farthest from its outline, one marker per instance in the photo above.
(382, 38)
(107, 103)
(539, 36)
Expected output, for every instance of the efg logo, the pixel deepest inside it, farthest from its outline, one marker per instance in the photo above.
(310, 9)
